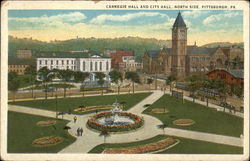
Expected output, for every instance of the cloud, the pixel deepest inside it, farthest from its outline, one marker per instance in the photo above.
(72, 17)
(193, 13)
(219, 17)
(121, 18)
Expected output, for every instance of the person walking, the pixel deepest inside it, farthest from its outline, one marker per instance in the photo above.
(81, 130)
(78, 131)
(75, 118)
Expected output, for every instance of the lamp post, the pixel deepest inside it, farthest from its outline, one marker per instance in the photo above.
(56, 106)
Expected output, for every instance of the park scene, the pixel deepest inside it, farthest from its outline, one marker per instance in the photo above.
(101, 93)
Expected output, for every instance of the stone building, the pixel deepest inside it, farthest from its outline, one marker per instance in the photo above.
(24, 54)
(183, 59)
(118, 56)
(19, 65)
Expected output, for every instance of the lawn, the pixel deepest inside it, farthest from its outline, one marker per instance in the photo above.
(186, 146)
(69, 104)
(22, 130)
(206, 119)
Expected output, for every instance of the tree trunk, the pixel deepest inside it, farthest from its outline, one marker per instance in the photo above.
(104, 139)
(14, 95)
(64, 93)
(193, 97)
(46, 91)
(133, 87)
(207, 102)
(118, 89)
(149, 88)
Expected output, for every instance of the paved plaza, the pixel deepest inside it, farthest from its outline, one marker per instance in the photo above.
(90, 138)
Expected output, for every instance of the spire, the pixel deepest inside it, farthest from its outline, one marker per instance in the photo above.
(179, 22)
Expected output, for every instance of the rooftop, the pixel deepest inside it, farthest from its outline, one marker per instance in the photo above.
(179, 22)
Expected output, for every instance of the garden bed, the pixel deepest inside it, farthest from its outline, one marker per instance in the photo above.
(46, 123)
(159, 110)
(147, 148)
(137, 122)
(47, 141)
(183, 122)
(91, 108)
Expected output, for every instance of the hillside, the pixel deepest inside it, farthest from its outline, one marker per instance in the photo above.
(223, 44)
(139, 45)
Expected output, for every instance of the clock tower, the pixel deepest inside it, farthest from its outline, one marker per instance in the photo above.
(179, 47)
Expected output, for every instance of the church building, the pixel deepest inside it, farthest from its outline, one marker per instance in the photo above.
(182, 59)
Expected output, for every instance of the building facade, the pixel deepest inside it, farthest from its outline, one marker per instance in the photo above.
(19, 65)
(231, 77)
(183, 59)
(92, 64)
(118, 56)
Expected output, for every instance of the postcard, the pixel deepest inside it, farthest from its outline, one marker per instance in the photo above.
(125, 80)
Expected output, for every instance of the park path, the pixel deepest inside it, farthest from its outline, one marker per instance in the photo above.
(90, 138)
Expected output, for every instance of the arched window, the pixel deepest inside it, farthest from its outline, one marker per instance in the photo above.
(95, 66)
(107, 65)
(100, 66)
(83, 65)
(91, 66)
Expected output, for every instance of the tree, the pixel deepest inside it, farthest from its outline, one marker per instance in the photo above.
(44, 75)
(31, 71)
(12, 75)
(100, 79)
(169, 81)
(81, 77)
(149, 81)
(134, 77)
(66, 76)
(117, 78)
(105, 134)
(13, 86)
(162, 126)
(195, 83)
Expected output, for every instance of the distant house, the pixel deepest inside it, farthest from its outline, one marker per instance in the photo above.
(119, 55)
(24, 54)
(19, 65)
(231, 77)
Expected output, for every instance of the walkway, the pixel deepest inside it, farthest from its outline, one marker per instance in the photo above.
(90, 139)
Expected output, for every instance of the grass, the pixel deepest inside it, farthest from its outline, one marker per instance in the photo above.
(206, 119)
(22, 130)
(186, 146)
(59, 85)
(69, 104)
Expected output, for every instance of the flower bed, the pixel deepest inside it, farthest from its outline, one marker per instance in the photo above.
(46, 123)
(183, 122)
(47, 141)
(137, 122)
(159, 110)
(91, 108)
(147, 148)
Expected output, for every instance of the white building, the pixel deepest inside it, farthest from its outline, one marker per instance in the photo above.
(92, 64)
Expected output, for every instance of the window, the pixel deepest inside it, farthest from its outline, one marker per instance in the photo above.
(100, 66)
(67, 62)
(107, 65)
(62, 62)
(51, 62)
(95, 66)
(83, 65)
(46, 62)
(91, 66)
(57, 62)
(40, 62)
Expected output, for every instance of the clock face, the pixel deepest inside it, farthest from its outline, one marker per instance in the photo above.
(182, 34)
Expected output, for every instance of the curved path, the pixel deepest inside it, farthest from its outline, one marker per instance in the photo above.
(90, 138)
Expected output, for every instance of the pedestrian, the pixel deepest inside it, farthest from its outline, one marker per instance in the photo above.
(78, 131)
(81, 130)
(75, 118)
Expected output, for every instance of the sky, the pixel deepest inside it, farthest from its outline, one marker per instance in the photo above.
(204, 26)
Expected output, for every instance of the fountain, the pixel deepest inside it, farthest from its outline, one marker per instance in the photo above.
(115, 120)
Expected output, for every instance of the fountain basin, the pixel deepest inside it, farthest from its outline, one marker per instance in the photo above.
(124, 122)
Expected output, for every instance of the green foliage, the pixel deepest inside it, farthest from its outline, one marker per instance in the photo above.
(149, 81)
(22, 130)
(64, 104)
(14, 84)
(80, 76)
(12, 75)
(115, 76)
(206, 119)
(100, 77)
(133, 76)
